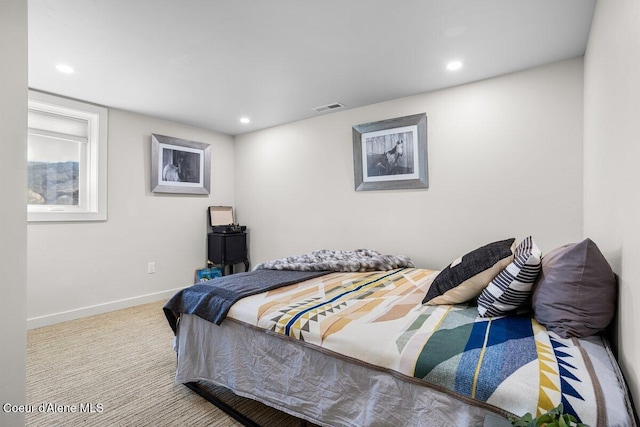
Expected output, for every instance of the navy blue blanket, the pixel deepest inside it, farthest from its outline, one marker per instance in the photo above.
(211, 300)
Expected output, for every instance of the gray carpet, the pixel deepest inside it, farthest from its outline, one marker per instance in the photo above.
(121, 366)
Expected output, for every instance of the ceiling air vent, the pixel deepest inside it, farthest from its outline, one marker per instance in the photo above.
(328, 107)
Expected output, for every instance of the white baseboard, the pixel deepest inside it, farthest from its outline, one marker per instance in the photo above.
(51, 319)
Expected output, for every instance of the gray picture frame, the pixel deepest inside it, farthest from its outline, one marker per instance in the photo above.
(180, 166)
(391, 154)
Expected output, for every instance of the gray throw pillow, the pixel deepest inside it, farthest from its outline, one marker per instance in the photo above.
(576, 293)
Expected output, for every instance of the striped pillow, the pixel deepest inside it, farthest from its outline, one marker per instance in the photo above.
(511, 288)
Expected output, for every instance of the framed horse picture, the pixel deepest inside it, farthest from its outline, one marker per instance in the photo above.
(179, 165)
(391, 154)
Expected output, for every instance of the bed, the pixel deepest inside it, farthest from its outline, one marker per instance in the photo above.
(361, 339)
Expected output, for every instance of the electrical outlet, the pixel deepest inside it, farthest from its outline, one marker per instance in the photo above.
(151, 267)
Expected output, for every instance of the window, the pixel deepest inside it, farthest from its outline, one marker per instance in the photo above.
(67, 159)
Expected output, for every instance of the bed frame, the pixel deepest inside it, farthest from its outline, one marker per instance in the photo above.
(227, 409)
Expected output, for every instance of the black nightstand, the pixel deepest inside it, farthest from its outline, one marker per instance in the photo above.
(228, 249)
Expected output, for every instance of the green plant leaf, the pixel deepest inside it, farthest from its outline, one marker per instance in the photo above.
(554, 417)
(544, 418)
(523, 421)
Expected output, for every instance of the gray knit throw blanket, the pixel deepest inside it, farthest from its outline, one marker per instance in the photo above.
(342, 261)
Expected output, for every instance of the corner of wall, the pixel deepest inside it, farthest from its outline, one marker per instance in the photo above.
(13, 165)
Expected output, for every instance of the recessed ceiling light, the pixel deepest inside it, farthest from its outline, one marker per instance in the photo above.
(245, 120)
(454, 65)
(63, 68)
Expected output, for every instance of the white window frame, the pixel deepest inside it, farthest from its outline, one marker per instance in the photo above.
(94, 205)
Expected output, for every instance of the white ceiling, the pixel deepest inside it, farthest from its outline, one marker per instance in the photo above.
(209, 62)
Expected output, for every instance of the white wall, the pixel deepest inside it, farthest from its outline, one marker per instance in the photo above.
(13, 219)
(505, 160)
(82, 268)
(612, 174)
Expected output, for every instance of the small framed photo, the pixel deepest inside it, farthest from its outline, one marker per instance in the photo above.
(391, 154)
(205, 274)
(180, 166)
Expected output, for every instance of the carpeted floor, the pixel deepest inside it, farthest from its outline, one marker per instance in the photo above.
(117, 369)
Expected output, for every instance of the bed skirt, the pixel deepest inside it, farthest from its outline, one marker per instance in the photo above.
(311, 385)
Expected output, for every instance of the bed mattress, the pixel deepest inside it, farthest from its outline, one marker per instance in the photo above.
(356, 349)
